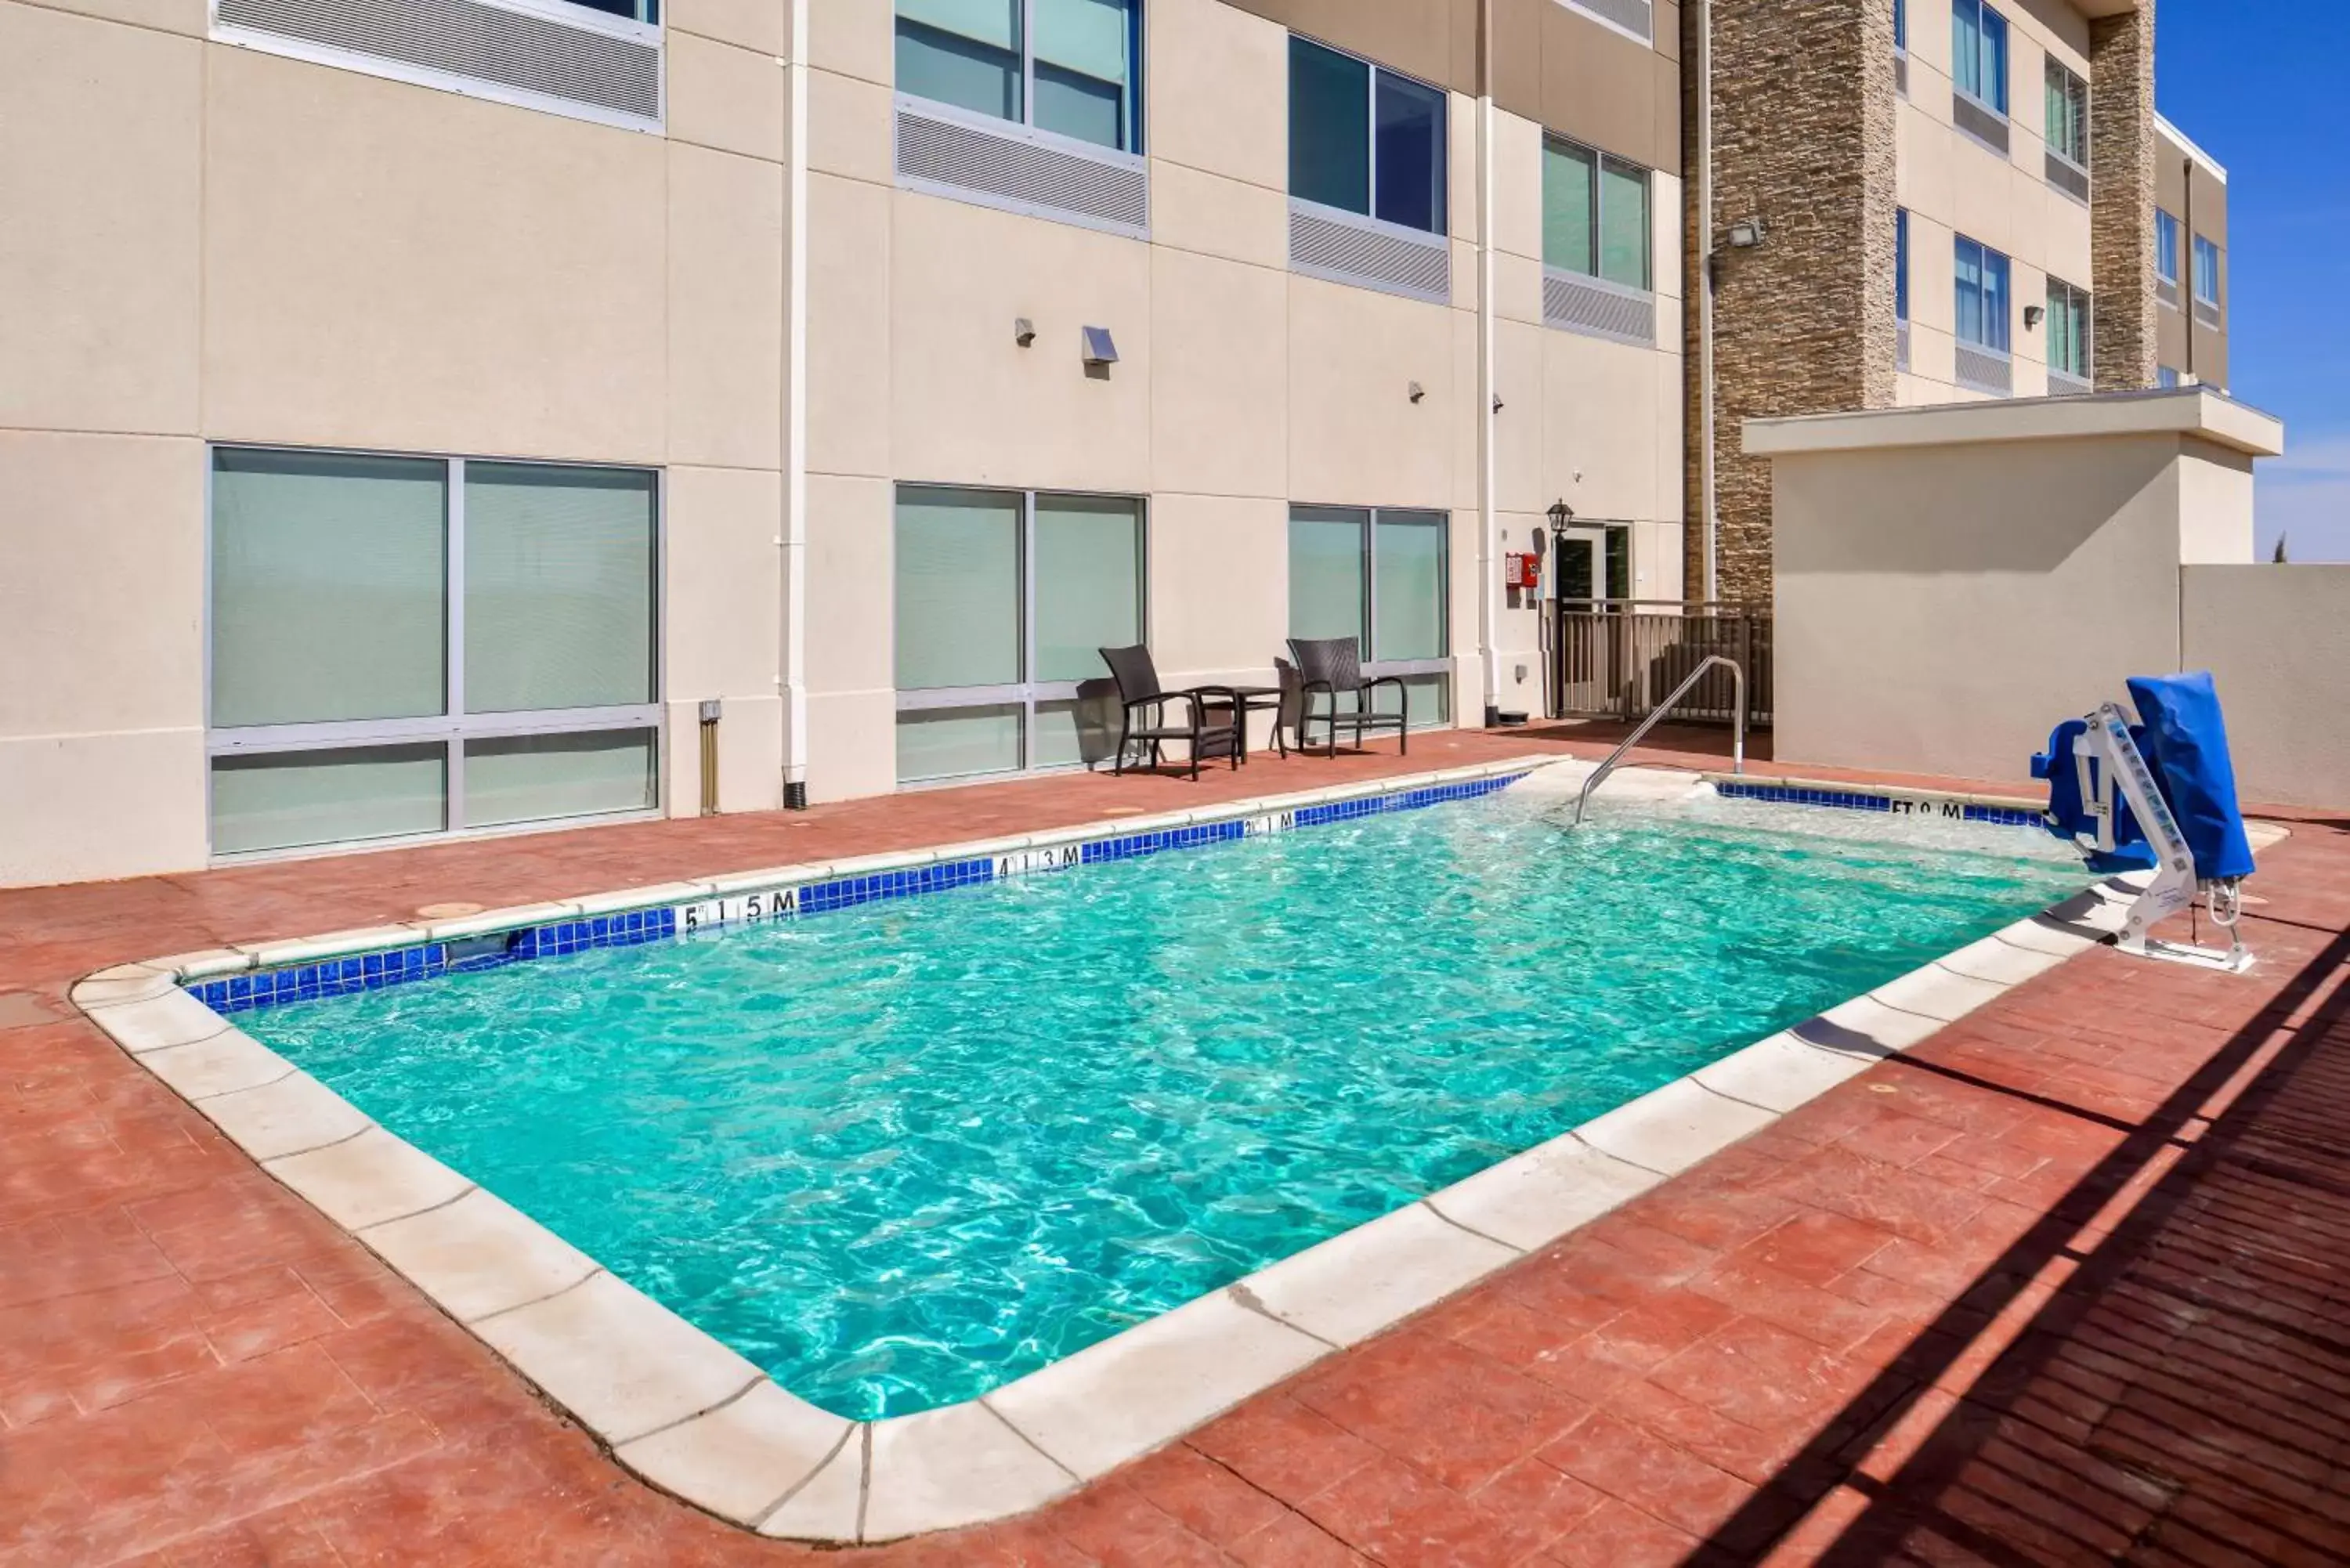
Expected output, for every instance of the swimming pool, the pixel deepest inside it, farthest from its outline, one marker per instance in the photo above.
(902, 1154)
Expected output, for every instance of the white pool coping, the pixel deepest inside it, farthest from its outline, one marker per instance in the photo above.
(697, 1420)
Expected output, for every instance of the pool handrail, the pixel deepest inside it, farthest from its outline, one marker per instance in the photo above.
(1736, 722)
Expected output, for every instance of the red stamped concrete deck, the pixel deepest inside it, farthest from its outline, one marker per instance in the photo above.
(2067, 1284)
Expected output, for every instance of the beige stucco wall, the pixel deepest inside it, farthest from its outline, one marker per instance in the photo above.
(1241, 387)
(1940, 606)
(207, 243)
(2277, 641)
(1951, 185)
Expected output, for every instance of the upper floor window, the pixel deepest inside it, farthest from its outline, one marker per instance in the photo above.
(1901, 264)
(1902, 25)
(1365, 140)
(2068, 329)
(2165, 247)
(1979, 53)
(2206, 271)
(1982, 296)
(2068, 115)
(1595, 214)
(1069, 66)
(2165, 377)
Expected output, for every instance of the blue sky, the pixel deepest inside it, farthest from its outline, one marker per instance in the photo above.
(2257, 85)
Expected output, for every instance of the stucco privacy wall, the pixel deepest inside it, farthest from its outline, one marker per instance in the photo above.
(211, 243)
(1953, 581)
(2277, 641)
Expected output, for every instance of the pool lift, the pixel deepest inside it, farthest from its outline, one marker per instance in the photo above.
(2116, 805)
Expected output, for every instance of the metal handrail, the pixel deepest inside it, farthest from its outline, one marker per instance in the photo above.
(1738, 723)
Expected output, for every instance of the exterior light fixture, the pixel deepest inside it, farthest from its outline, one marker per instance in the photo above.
(1415, 391)
(1746, 234)
(1023, 331)
(2033, 315)
(1560, 515)
(1100, 348)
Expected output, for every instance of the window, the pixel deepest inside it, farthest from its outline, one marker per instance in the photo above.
(1364, 140)
(2067, 130)
(1979, 53)
(1982, 296)
(1595, 214)
(2165, 377)
(1380, 576)
(1068, 67)
(1902, 25)
(2068, 329)
(2165, 247)
(2206, 272)
(1900, 263)
(404, 646)
(1004, 598)
(647, 11)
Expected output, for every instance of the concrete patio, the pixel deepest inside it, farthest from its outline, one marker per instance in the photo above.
(2065, 1284)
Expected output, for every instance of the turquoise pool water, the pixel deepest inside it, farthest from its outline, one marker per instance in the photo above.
(902, 1154)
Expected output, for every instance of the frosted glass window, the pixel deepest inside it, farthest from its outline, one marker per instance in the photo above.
(329, 595)
(1570, 204)
(1432, 700)
(959, 588)
(959, 742)
(1408, 558)
(1088, 582)
(966, 53)
(558, 587)
(1065, 734)
(538, 778)
(1326, 572)
(1410, 157)
(297, 799)
(1623, 224)
(1085, 72)
(1329, 127)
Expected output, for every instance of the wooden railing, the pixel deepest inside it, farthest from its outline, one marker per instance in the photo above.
(1617, 659)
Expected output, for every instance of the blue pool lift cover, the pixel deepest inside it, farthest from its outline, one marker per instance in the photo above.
(2188, 744)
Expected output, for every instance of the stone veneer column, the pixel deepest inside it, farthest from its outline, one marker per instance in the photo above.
(2122, 145)
(1803, 139)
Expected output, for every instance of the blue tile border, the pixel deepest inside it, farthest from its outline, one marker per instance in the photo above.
(462, 955)
(1864, 800)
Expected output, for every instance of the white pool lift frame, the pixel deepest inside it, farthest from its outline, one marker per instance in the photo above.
(2174, 888)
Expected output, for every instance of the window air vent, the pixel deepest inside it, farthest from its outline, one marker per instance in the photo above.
(1900, 344)
(1345, 248)
(1987, 126)
(1983, 371)
(1901, 72)
(2207, 313)
(1599, 309)
(2166, 289)
(2063, 384)
(1637, 17)
(997, 164)
(520, 56)
(2068, 176)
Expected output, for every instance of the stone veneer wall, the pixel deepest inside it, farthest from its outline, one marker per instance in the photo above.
(2122, 141)
(1803, 139)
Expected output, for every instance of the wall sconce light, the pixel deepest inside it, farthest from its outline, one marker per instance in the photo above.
(2033, 315)
(1023, 331)
(1415, 391)
(1498, 404)
(1747, 233)
(1100, 348)
(1560, 515)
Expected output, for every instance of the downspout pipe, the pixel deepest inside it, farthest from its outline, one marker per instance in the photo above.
(793, 678)
(1710, 521)
(1489, 555)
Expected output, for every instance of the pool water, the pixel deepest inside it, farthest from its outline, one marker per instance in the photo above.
(902, 1154)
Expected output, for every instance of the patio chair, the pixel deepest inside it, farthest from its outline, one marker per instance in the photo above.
(1212, 729)
(1332, 667)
